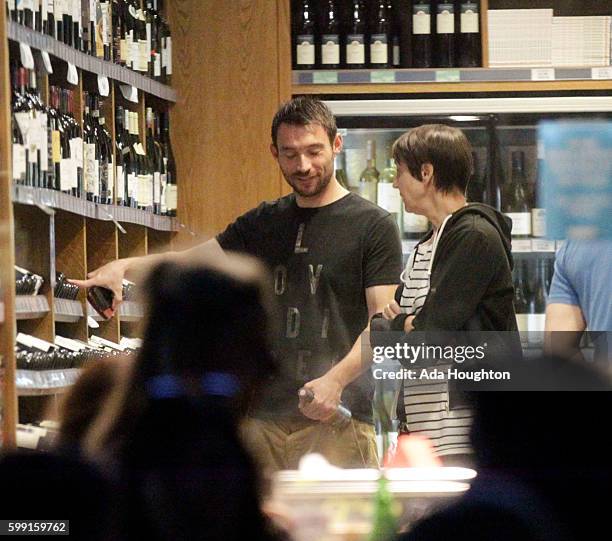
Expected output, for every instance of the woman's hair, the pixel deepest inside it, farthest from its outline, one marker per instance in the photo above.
(444, 147)
(206, 332)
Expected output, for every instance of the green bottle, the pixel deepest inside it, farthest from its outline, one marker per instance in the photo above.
(368, 180)
(340, 169)
(389, 197)
(384, 527)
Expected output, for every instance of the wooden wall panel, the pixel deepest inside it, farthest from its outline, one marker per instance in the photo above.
(8, 399)
(226, 72)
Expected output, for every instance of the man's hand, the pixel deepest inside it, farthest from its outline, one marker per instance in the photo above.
(327, 392)
(110, 276)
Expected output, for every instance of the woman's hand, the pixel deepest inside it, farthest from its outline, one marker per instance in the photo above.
(391, 311)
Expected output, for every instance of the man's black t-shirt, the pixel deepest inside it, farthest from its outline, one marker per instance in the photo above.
(321, 261)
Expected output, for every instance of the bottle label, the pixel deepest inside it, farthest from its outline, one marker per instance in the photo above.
(469, 18)
(27, 4)
(106, 24)
(389, 198)
(378, 49)
(132, 184)
(19, 161)
(149, 40)
(396, 53)
(330, 49)
(538, 222)
(414, 223)
(58, 10)
(120, 183)
(169, 55)
(66, 172)
(421, 19)
(171, 196)
(89, 159)
(157, 65)
(521, 223)
(305, 50)
(355, 49)
(368, 190)
(96, 178)
(123, 50)
(535, 322)
(143, 191)
(11, 5)
(445, 19)
(157, 187)
(144, 54)
(522, 322)
(110, 180)
(43, 143)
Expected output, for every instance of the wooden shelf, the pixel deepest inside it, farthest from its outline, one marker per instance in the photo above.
(27, 195)
(43, 42)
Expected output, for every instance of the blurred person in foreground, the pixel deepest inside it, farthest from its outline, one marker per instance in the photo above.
(85, 401)
(458, 278)
(169, 436)
(543, 459)
(580, 298)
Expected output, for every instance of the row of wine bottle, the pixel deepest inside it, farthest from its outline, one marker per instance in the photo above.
(130, 33)
(518, 197)
(52, 150)
(336, 34)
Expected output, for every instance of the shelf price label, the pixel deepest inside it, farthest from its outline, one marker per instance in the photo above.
(325, 78)
(543, 74)
(601, 73)
(130, 93)
(47, 62)
(448, 76)
(27, 59)
(382, 76)
(103, 86)
(73, 74)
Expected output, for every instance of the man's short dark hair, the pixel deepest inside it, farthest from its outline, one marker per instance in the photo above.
(445, 147)
(302, 111)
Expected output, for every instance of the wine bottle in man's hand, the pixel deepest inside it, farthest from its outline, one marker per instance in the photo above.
(101, 299)
(341, 417)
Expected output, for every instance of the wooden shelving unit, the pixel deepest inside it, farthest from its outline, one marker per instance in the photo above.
(47, 231)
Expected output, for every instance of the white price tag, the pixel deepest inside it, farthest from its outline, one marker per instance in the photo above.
(130, 93)
(47, 61)
(92, 323)
(73, 74)
(521, 245)
(27, 59)
(103, 85)
(543, 74)
(69, 344)
(541, 245)
(601, 73)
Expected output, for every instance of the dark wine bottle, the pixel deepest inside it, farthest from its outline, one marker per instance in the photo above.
(470, 46)
(305, 37)
(395, 35)
(515, 201)
(445, 35)
(381, 37)
(330, 36)
(422, 49)
(356, 37)
(476, 188)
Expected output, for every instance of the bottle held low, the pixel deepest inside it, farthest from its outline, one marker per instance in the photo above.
(101, 299)
(341, 417)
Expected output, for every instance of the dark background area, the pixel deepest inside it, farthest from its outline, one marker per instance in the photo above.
(560, 9)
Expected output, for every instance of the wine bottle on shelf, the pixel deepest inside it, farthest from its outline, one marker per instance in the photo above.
(422, 49)
(49, 23)
(476, 188)
(76, 142)
(107, 169)
(67, 22)
(19, 157)
(170, 190)
(368, 180)
(11, 11)
(380, 37)
(340, 170)
(538, 214)
(120, 145)
(151, 36)
(55, 127)
(91, 153)
(156, 154)
(520, 299)
(106, 30)
(445, 35)
(516, 205)
(305, 37)
(89, 27)
(58, 15)
(143, 54)
(470, 45)
(356, 37)
(26, 12)
(330, 36)
(120, 32)
(156, 46)
(77, 32)
(395, 35)
(40, 14)
(389, 197)
(166, 48)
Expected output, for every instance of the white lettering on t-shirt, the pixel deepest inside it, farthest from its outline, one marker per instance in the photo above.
(293, 322)
(298, 242)
(313, 277)
(280, 279)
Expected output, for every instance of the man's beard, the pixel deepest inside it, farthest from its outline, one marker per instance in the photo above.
(320, 185)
